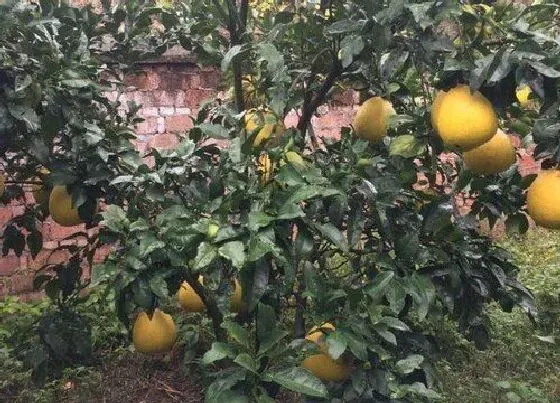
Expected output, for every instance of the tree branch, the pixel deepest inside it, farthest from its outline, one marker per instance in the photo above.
(311, 103)
(211, 306)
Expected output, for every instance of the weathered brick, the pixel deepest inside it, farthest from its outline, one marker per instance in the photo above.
(195, 97)
(161, 124)
(9, 264)
(148, 126)
(101, 254)
(182, 111)
(209, 79)
(5, 216)
(163, 141)
(167, 110)
(149, 112)
(178, 123)
(59, 232)
(147, 80)
(180, 100)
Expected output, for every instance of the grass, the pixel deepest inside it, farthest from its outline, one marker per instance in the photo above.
(518, 366)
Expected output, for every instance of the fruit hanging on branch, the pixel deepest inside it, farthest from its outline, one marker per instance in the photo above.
(322, 365)
(463, 119)
(154, 335)
(543, 199)
(189, 300)
(266, 122)
(371, 120)
(492, 157)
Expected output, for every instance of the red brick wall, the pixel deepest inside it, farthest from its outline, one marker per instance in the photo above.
(170, 93)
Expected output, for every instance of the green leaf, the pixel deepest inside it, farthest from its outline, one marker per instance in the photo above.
(380, 284)
(337, 344)
(406, 146)
(217, 352)
(386, 335)
(299, 380)
(115, 219)
(409, 364)
(344, 26)
(230, 55)
(237, 333)
(246, 361)
(349, 47)
(259, 219)
(214, 131)
(235, 252)
(205, 255)
(332, 233)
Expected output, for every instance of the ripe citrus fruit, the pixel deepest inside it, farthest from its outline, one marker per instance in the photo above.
(236, 297)
(189, 299)
(326, 369)
(463, 119)
(155, 335)
(317, 334)
(370, 122)
(522, 93)
(543, 199)
(268, 124)
(61, 208)
(2, 184)
(494, 156)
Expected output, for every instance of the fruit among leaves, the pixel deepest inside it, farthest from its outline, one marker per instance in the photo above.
(463, 119)
(154, 335)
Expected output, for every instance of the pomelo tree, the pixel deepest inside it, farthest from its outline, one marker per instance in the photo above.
(358, 237)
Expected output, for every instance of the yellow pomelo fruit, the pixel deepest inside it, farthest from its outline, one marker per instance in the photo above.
(522, 93)
(39, 191)
(155, 335)
(494, 156)
(296, 160)
(236, 297)
(543, 199)
(61, 208)
(189, 299)
(270, 126)
(264, 168)
(317, 334)
(463, 119)
(370, 122)
(2, 184)
(327, 369)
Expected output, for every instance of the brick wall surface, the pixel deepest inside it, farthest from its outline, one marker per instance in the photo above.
(170, 94)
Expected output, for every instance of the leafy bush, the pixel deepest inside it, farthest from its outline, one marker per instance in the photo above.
(364, 235)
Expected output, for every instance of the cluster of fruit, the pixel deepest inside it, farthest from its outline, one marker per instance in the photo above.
(157, 334)
(465, 120)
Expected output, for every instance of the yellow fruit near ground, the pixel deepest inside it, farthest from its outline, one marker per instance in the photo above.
(270, 126)
(371, 120)
(317, 334)
(156, 335)
(236, 297)
(494, 156)
(189, 299)
(543, 199)
(327, 369)
(2, 184)
(463, 119)
(522, 93)
(61, 208)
